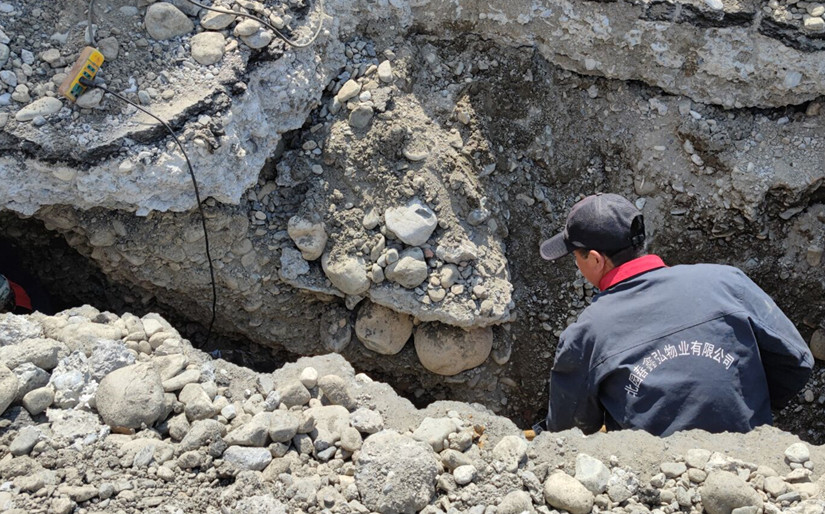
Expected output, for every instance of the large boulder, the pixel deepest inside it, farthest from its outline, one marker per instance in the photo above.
(165, 21)
(395, 473)
(448, 350)
(722, 492)
(347, 273)
(382, 330)
(130, 397)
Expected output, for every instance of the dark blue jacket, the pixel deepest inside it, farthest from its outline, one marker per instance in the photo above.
(693, 346)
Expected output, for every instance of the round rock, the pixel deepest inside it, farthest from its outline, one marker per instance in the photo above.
(722, 492)
(382, 330)
(449, 350)
(165, 21)
(410, 270)
(798, 452)
(818, 344)
(130, 397)
(309, 236)
(566, 493)
(347, 273)
(208, 47)
(463, 475)
(395, 473)
(413, 224)
(511, 451)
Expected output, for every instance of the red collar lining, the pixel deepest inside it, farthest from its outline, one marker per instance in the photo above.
(630, 269)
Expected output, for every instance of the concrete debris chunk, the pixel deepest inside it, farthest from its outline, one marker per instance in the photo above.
(592, 473)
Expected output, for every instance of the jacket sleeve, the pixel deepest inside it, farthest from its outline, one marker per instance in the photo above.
(573, 402)
(786, 358)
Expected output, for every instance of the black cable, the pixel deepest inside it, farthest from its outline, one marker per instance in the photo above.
(89, 83)
(269, 25)
(89, 26)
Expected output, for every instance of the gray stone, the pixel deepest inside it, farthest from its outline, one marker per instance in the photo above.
(216, 21)
(798, 452)
(293, 264)
(43, 353)
(410, 270)
(283, 426)
(260, 503)
(434, 431)
(247, 27)
(178, 382)
(395, 473)
(45, 106)
(775, 486)
(294, 393)
(208, 47)
(130, 397)
(621, 485)
(592, 473)
(451, 459)
(165, 21)
(351, 439)
(349, 90)
(413, 224)
(202, 433)
(818, 344)
(8, 387)
(463, 475)
(309, 377)
(308, 235)
(25, 441)
(511, 451)
(673, 469)
(385, 72)
(361, 116)
(347, 273)
(90, 99)
(197, 403)
(382, 330)
(255, 459)
(516, 502)
(449, 350)
(70, 425)
(253, 433)
(697, 457)
(336, 391)
(78, 493)
(110, 48)
(169, 366)
(29, 378)
(366, 420)
(16, 329)
(565, 492)
(330, 422)
(38, 400)
(723, 491)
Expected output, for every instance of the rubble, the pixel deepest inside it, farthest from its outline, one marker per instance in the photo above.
(349, 444)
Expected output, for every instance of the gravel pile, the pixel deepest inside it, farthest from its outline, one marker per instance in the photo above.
(107, 413)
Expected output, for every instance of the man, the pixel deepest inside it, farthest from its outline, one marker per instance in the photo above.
(665, 348)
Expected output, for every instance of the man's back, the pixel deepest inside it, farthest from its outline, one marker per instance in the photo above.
(697, 346)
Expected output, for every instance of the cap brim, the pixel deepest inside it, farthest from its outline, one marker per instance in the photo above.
(555, 247)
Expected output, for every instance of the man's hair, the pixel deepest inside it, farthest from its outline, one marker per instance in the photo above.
(621, 256)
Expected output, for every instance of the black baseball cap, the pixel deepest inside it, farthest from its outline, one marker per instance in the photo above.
(605, 222)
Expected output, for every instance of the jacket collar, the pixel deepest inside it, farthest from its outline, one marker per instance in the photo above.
(630, 269)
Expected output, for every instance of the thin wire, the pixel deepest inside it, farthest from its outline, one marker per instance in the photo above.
(89, 83)
(269, 25)
(89, 25)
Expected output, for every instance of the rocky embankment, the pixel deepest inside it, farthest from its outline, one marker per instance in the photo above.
(107, 413)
